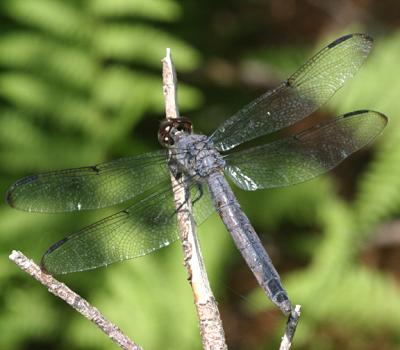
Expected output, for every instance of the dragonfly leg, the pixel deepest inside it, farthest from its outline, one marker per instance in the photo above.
(178, 176)
(200, 194)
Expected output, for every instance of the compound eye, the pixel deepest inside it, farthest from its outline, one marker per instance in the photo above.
(187, 126)
(181, 126)
(168, 140)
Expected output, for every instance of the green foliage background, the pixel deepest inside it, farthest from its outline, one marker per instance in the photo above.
(80, 83)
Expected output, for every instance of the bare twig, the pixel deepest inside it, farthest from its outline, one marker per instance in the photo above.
(290, 328)
(78, 303)
(211, 330)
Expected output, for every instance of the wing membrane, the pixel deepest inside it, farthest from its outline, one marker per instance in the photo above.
(145, 226)
(304, 92)
(90, 187)
(306, 155)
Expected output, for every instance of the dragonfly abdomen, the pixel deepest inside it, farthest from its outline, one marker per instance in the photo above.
(247, 241)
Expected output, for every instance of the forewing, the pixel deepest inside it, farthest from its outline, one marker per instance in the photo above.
(92, 187)
(308, 154)
(147, 225)
(300, 95)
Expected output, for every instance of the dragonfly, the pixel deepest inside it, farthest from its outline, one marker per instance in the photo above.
(149, 222)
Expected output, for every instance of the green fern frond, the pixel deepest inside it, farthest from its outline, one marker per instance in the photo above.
(379, 190)
(162, 10)
(143, 44)
(58, 18)
(118, 86)
(65, 64)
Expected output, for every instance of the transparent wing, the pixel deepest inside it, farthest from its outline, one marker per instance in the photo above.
(91, 187)
(145, 226)
(305, 155)
(304, 92)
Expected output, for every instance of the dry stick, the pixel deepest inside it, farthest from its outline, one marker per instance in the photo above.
(290, 328)
(77, 302)
(211, 330)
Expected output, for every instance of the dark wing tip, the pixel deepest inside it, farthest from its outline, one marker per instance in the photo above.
(51, 249)
(363, 111)
(349, 36)
(9, 198)
(350, 114)
(340, 40)
(25, 180)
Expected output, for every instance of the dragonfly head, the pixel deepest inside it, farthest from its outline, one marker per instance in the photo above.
(170, 128)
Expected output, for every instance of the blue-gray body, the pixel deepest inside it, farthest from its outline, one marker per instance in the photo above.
(195, 156)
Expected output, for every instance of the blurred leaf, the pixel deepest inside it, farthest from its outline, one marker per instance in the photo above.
(164, 10)
(60, 18)
(114, 41)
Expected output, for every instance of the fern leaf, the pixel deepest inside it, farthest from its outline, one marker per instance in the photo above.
(163, 10)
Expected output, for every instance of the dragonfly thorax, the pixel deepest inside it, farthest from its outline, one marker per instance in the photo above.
(195, 156)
